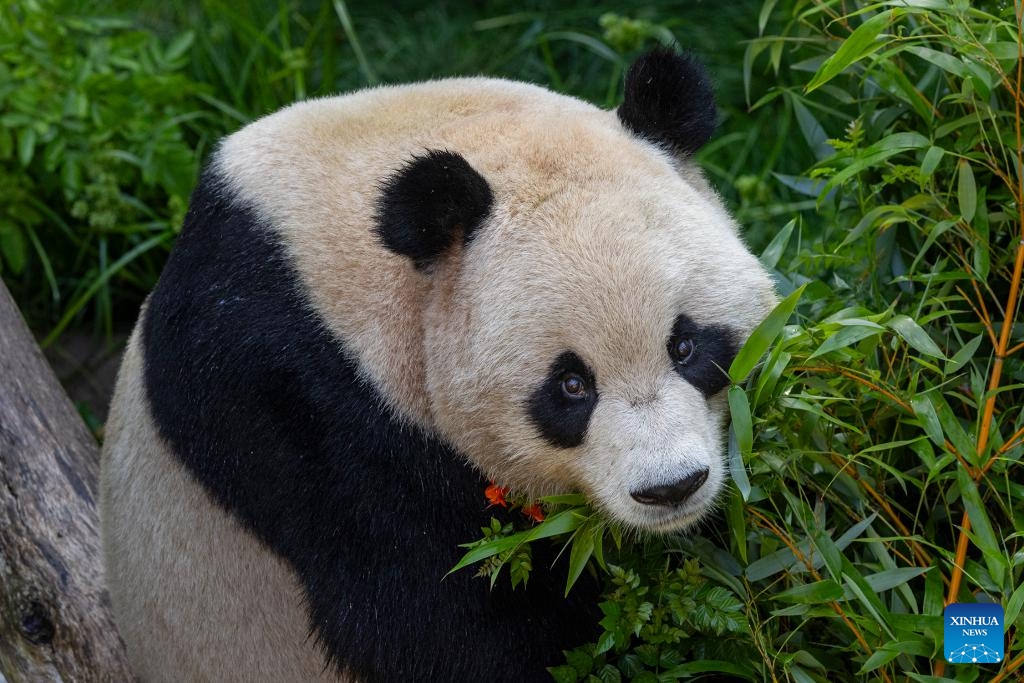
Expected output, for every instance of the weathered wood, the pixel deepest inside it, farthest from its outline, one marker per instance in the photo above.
(55, 621)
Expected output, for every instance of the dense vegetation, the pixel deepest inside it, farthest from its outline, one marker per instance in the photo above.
(872, 149)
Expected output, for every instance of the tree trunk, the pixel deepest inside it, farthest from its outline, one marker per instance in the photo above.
(55, 620)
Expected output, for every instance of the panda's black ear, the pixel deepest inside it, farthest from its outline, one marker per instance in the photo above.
(669, 101)
(429, 203)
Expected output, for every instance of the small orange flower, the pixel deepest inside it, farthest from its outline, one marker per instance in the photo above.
(534, 512)
(496, 495)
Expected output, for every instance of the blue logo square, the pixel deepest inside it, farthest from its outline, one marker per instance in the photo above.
(973, 633)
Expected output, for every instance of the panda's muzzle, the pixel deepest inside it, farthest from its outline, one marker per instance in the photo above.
(672, 494)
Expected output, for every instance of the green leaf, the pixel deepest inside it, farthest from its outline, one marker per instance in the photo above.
(179, 46)
(952, 428)
(984, 535)
(762, 18)
(13, 247)
(861, 43)
(800, 676)
(736, 517)
(944, 61)
(915, 336)
(875, 154)
(855, 583)
(878, 658)
(963, 356)
(609, 674)
(773, 252)
(1014, 604)
(593, 44)
(966, 191)
(844, 337)
(891, 578)
(934, 593)
(763, 336)
(737, 469)
(826, 590)
(812, 131)
(580, 660)
(924, 411)
(564, 673)
(931, 160)
(555, 525)
(742, 425)
(26, 145)
(605, 642)
(702, 666)
(582, 548)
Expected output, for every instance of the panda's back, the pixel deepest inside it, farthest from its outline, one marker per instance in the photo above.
(233, 616)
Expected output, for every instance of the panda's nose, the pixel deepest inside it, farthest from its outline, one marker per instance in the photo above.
(672, 494)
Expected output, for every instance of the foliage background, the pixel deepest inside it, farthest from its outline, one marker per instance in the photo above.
(873, 152)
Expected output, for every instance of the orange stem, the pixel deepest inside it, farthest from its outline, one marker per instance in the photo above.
(1001, 350)
(1009, 669)
(771, 526)
(923, 558)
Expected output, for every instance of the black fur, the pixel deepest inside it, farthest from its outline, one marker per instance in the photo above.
(431, 201)
(266, 410)
(562, 420)
(669, 101)
(714, 350)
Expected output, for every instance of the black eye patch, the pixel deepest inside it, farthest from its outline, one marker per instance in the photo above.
(561, 406)
(707, 365)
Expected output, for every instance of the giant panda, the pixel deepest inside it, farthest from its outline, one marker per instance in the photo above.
(378, 303)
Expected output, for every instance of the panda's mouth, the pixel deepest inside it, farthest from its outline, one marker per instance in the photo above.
(673, 520)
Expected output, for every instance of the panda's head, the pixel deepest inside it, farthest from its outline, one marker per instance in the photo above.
(587, 294)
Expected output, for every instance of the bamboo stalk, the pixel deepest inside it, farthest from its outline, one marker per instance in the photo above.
(1002, 350)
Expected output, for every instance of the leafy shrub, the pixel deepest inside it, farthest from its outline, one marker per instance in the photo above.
(875, 452)
(108, 122)
(98, 154)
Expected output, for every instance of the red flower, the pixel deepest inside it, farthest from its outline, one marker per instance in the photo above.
(534, 512)
(496, 495)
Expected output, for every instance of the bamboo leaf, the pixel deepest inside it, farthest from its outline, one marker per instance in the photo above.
(1014, 604)
(915, 335)
(812, 130)
(861, 43)
(737, 469)
(878, 658)
(763, 336)
(773, 252)
(966, 191)
(877, 153)
(984, 535)
(559, 523)
(825, 590)
(844, 337)
(741, 434)
(931, 160)
(582, 548)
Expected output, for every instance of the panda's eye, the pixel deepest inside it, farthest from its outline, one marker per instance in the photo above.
(574, 386)
(681, 349)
